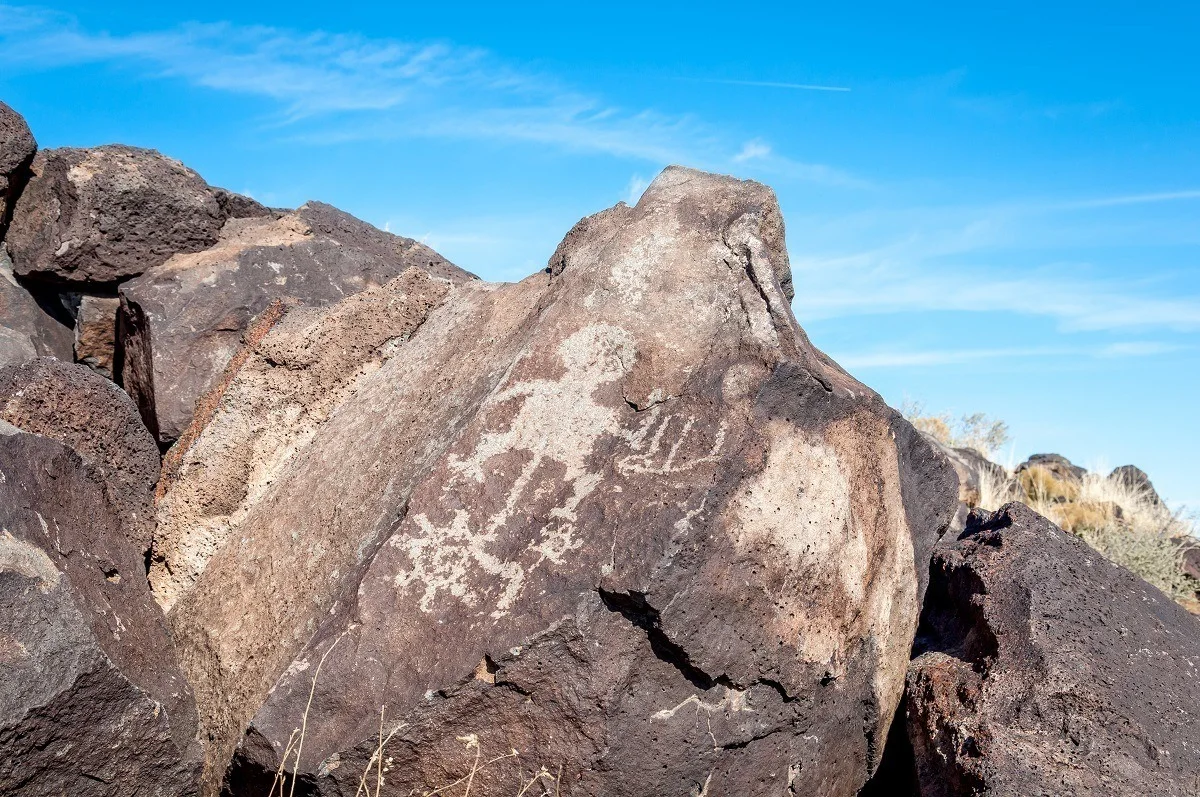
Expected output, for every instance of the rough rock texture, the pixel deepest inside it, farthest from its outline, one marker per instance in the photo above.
(17, 148)
(621, 516)
(1057, 465)
(101, 215)
(1045, 669)
(288, 379)
(96, 332)
(26, 330)
(181, 323)
(88, 413)
(92, 702)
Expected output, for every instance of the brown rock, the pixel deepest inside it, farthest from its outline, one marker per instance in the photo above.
(92, 702)
(102, 215)
(1056, 465)
(1045, 669)
(1136, 478)
(96, 333)
(88, 413)
(972, 468)
(181, 323)
(17, 148)
(622, 517)
(26, 330)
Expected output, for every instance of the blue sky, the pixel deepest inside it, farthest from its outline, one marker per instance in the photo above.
(988, 210)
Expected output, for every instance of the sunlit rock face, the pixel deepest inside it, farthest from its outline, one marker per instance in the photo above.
(621, 517)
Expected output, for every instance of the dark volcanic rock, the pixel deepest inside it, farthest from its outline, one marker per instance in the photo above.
(92, 702)
(972, 468)
(181, 322)
(17, 148)
(621, 517)
(1136, 478)
(71, 404)
(26, 330)
(99, 216)
(1059, 466)
(239, 206)
(1044, 669)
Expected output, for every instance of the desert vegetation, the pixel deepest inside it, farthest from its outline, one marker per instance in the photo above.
(1118, 515)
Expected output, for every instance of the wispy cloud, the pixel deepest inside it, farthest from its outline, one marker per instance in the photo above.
(752, 150)
(332, 88)
(771, 84)
(952, 357)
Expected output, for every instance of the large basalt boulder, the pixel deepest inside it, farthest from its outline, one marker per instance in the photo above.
(26, 330)
(83, 410)
(1056, 465)
(620, 516)
(102, 215)
(17, 148)
(1045, 669)
(973, 470)
(181, 323)
(92, 701)
(1136, 479)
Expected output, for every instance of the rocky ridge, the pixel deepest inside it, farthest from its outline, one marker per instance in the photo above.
(616, 529)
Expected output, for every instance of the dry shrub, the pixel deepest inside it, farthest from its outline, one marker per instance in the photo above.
(978, 431)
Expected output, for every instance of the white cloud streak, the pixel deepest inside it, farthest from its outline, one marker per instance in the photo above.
(346, 88)
(771, 84)
(951, 357)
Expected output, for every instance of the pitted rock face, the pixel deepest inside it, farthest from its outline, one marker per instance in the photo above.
(17, 148)
(92, 702)
(1046, 669)
(621, 516)
(83, 410)
(102, 215)
(180, 323)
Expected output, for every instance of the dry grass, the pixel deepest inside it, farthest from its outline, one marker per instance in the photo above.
(1120, 519)
(379, 763)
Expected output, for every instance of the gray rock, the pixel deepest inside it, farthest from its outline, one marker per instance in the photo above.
(622, 517)
(92, 702)
(26, 330)
(1045, 669)
(83, 410)
(17, 148)
(102, 215)
(180, 323)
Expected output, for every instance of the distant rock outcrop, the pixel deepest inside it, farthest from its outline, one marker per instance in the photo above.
(181, 322)
(92, 701)
(621, 516)
(1045, 669)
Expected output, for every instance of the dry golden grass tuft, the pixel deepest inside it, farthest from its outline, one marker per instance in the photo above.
(1122, 520)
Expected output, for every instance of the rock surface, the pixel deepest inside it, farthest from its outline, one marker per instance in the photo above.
(621, 516)
(1045, 669)
(98, 216)
(182, 322)
(96, 333)
(26, 330)
(92, 702)
(1136, 478)
(17, 147)
(1057, 465)
(94, 417)
(972, 468)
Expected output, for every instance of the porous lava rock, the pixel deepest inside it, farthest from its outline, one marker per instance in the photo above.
(92, 217)
(180, 323)
(92, 701)
(1043, 668)
(96, 332)
(17, 148)
(26, 330)
(83, 410)
(621, 517)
